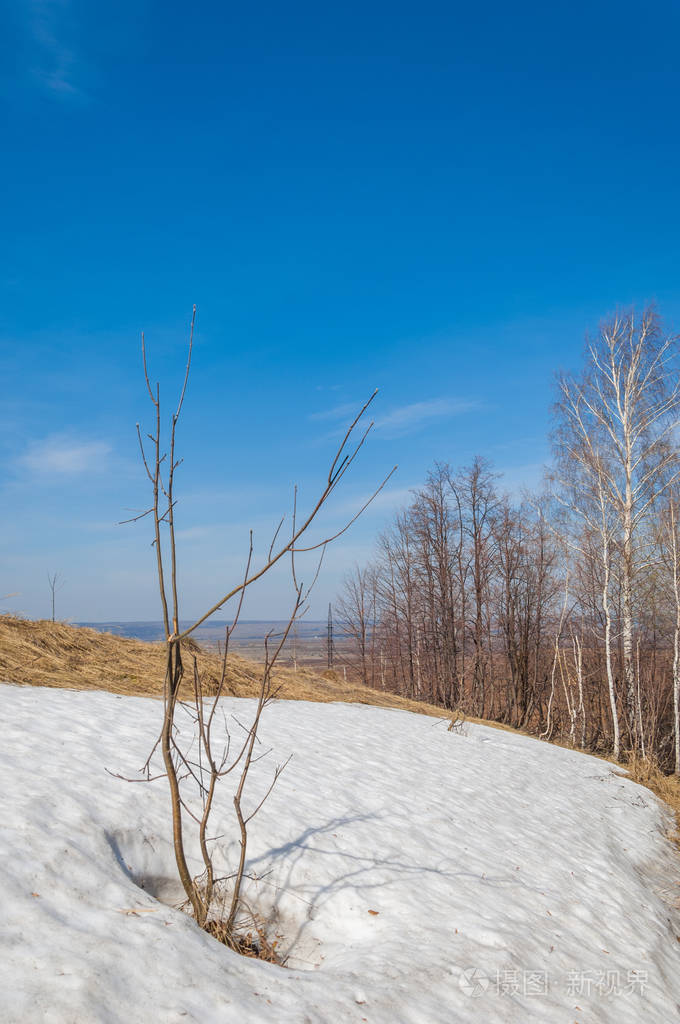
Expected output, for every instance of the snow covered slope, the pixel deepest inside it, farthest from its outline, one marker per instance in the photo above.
(417, 875)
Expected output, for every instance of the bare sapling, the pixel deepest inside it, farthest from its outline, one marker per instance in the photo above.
(198, 758)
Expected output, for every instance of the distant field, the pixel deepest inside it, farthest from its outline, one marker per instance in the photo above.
(307, 644)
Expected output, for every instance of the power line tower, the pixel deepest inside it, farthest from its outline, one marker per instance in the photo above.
(295, 638)
(330, 636)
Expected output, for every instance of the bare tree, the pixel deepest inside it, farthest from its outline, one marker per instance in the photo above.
(357, 609)
(202, 762)
(399, 597)
(438, 531)
(622, 412)
(475, 488)
(582, 478)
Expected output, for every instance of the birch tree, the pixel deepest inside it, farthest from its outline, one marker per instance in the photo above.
(617, 421)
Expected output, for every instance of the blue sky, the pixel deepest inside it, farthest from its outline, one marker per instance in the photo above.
(422, 198)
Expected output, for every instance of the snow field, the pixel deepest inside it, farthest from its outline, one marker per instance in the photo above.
(415, 875)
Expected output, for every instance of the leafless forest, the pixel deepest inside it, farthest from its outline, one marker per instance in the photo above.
(558, 613)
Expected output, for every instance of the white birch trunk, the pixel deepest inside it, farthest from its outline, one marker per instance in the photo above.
(629, 674)
(608, 645)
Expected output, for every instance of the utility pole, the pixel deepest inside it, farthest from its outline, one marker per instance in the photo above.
(55, 585)
(330, 636)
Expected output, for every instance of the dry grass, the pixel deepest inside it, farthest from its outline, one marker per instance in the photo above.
(43, 653)
(647, 773)
(253, 943)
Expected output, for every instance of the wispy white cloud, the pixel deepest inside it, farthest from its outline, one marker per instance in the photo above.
(63, 455)
(408, 418)
(404, 419)
(55, 62)
(346, 411)
(391, 498)
(388, 500)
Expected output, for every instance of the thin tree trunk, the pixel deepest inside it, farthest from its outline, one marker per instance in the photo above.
(608, 648)
(676, 640)
(627, 620)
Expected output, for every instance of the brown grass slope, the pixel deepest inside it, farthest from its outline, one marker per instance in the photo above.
(43, 653)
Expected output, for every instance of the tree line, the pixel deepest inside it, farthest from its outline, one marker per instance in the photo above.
(558, 613)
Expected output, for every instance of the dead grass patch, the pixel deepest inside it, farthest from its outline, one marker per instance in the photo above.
(253, 943)
(55, 654)
(647, 773)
